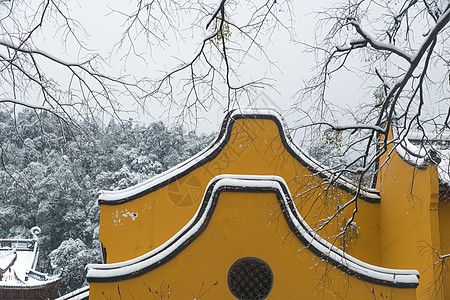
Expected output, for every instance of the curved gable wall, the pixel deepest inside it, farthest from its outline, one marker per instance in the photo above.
(244, 216)
(138, 219)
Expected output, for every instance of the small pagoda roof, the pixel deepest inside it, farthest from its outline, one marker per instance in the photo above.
(18, 261)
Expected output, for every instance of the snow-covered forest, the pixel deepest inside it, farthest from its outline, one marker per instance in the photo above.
(51, 175)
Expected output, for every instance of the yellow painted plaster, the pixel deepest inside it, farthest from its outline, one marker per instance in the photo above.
(409, 222)
(409, 229)
(245, 224)
(254, 148)
(443, 267)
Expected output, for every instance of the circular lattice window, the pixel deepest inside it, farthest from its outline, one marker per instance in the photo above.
(250, 278)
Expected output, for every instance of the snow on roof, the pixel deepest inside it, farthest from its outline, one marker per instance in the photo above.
(330, 253)
(22, 273)
(121, 196)
(444, 167)
(421, 151)
(7, 258)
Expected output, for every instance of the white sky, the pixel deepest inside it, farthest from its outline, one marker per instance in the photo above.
(294, 64)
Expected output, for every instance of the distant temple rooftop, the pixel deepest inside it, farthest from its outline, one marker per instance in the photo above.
(431, 145)
(19, 278)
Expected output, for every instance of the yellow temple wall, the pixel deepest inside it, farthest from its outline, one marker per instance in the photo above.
(254, 147)
(246, 224)
(408, 229)
(409, 222)
(443, 267)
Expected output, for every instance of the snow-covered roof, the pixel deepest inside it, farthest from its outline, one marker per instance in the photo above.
(328, 252)
(7, 258)
(209, 153)
(421, 151)
(18, 260)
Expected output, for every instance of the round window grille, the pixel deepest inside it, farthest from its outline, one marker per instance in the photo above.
(250, 278)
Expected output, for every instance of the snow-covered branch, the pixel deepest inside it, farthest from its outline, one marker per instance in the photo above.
(395, 55)
(367, 38)
(25, 104)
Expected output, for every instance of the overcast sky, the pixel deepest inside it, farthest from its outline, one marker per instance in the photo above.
(104, 22)
(293, 64)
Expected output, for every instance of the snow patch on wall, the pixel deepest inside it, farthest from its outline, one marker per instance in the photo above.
(133, 215)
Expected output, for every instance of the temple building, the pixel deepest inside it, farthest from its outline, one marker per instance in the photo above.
(251, 217)
(19, 278)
